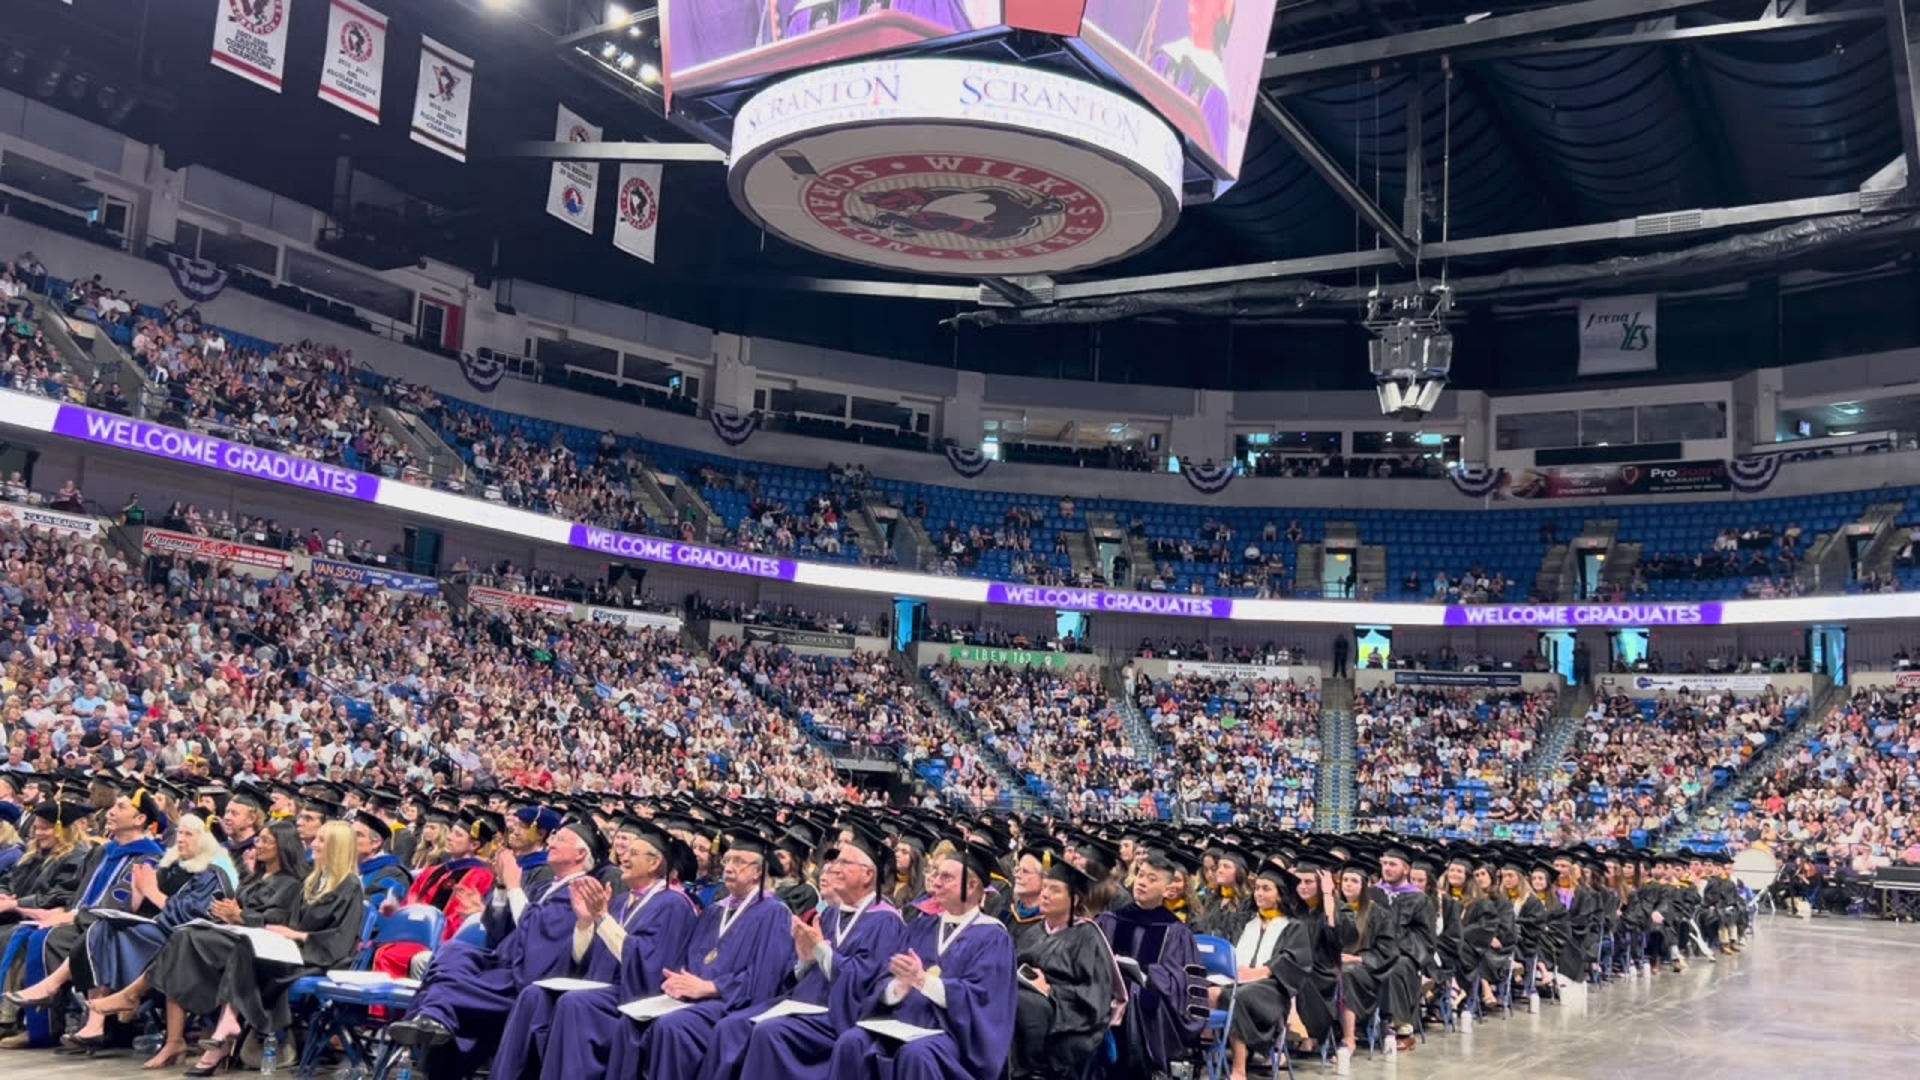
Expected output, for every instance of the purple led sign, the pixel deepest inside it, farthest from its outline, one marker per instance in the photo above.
(653, 549)
(239, 458)
(1131, 603)
(1584, 615)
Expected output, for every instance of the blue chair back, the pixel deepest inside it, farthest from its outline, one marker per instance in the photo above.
(414, 924)
(473, 932)
(1216, 954)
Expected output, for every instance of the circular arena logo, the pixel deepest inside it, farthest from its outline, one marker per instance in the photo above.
(258, 17)
(955, 167)
(638, 204)
(356, 41)
(579, 133)
(573, 200)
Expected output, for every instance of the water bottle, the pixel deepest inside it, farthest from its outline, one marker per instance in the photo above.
(403, 1068)
(269, 1054)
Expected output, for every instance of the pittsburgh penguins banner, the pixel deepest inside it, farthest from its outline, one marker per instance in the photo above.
(355, 59)
(443, 100)
(637, 210)
(570, 194)
(250, 40)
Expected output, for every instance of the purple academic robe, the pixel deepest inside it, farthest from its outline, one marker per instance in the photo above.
(471, 990)
(524, 1044)
(976, 1025)
(748, 968)
(800, 17)
(1167, 1014)
(587, 1023)
(799, 1047)
(1201, 76)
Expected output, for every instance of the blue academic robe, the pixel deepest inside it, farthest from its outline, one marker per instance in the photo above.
(119, 952)
(385, 875)
(976, 1024)
(9, 856)
(748, 966)
(471, 990)
(527, 1039)
(1167, 1014)
(800, 1047)
(587, 1023)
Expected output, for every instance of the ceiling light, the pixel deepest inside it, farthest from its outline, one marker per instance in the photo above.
(616, 14)
(649, 74)
(608, 50)
(634, 30)
(626, 61)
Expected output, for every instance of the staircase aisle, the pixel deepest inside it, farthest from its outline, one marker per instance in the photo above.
(1743, 786)
(1019, 791)
(1338, 792)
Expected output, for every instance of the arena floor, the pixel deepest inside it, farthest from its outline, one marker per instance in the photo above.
(1829, 998)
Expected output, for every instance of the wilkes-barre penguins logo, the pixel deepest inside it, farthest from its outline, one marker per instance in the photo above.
(356, 41)
(257, 17)
(950, 206)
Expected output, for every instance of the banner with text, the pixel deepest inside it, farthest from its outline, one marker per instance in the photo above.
(977, 654)
(356, 59)
(1653, 684)
(1456, 678)
(570, 193)
(633, 620)
(443, 99)
(375, 577)
(208, 549)
(1557, 615)
(33, 517)
(502, 600)
(799, 639)
(636, 213)
(1587, 481)
(1619, 334)
(1208, 670)
(250, 40)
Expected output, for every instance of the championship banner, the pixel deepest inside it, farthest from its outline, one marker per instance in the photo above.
(501, 599)
(1207, 670)
(1455, 678)
(570, 193)
(976, 654)
(636, 217)
(250, 40)
(59, 521)
(208, 549)
(443, 99)
(1653, 684)
(1619, 334)
(1585, 481)
(375, 577)
(356, 59)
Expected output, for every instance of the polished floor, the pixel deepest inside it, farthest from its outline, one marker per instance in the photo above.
(1833, 998)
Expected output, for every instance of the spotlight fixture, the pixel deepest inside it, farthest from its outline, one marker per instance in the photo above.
(627, 61)
(1411, 353)
(50, 79)
(78, 85)
(649, 74)
(609, 51)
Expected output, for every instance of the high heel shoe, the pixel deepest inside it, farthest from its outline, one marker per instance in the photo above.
(165, 1059)
(226, 1048)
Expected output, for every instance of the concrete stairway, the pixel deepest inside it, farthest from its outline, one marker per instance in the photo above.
(1013, 783)
(1308, 570)
(1748, 781)
(1549, 582)
(1337, 792)
(1550, 746)
(1132, 720)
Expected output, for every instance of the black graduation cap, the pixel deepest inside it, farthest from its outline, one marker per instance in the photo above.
(977, 859)
(866, 840)
(482, 824)
(374, 823)
(1183, 859)
(65, 813)
(749, 841)
(1282, 878)
(1101, 857)
(589, 834)
(252, 795)
(440, 813)
(11, 812)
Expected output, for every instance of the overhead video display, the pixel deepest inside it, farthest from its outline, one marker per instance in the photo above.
(714, 42)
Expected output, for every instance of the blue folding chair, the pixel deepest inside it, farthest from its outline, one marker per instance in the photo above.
(472, 932)
(1216, 956)
(345, 1008)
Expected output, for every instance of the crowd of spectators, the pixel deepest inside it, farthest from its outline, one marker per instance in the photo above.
(1431, 757)
(1359, 467)
(1245, 747)
(1639, 765)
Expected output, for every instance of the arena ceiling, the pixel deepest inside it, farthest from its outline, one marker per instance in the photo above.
(1717, 139)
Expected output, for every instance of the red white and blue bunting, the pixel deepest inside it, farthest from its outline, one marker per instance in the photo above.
(1753, 474)
(734, 428)
(1207, 478)
(483, 370)
(1476, 481)
(197, 279)
(968, 462)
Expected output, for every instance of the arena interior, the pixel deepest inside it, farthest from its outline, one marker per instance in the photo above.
(959, 539)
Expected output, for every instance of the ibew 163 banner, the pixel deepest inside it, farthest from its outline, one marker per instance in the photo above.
(636, 219)
(250, 40)
(571, 192)
(355, 58)
(443, 100)
(1619, 334)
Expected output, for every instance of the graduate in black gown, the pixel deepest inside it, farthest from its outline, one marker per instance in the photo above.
(1023, 905)
(383, 875)
(1167, 1007)
(204, 970)
(790, 885)
(461, 1008)
(1285, 959)
(1070, 987)
(1368, 949)
(1227, 905)
(841, 964)
(1413, 930)
(954, 975)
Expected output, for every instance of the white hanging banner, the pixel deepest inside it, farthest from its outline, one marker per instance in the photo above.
(355, 59)
(1619, 334)
(443, 101)
(250, 40)
(571, 192)
(637, 217)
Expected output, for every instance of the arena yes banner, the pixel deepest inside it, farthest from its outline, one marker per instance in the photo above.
(1619, 334)
(443, 99)
(250, 40)
(570, 194)
(355, 59)
(636, 217)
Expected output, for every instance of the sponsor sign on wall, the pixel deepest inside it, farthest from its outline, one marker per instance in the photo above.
(977, 654)
(1456, 678)
(1209, 670)
(1588, 481)
(503, 600)
(799, 639)
(34, 517)
(375, 577)
(1655, 684)
(208, 549)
